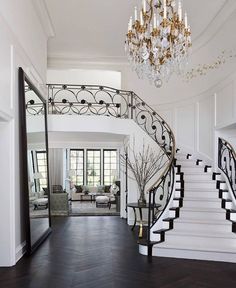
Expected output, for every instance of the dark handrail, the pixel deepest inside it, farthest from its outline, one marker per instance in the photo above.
(227, 162)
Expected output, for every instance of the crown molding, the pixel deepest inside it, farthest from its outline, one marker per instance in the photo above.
(65, 61)
(44, 17)
(221, 17)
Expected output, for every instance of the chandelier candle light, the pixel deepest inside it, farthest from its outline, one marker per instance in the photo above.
(158, 42)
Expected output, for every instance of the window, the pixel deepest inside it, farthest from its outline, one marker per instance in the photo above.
(77, 166)
(87, 168)
(93, 167)
(41, 158)
(110, 166)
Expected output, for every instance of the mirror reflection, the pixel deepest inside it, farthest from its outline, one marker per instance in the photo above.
(37, 165)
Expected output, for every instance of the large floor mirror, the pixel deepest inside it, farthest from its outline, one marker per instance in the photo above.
(34, 163)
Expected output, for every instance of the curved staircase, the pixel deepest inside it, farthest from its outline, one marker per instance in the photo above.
(197, 216)
(201, 231)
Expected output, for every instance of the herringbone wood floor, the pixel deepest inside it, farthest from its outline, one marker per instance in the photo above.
(100, 252)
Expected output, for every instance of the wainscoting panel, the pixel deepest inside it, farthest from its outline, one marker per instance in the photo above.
(225, 101)
(185, 126)
(206, 126)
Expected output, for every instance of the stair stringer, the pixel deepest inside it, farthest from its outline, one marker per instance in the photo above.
(167, 213)
(228, 200)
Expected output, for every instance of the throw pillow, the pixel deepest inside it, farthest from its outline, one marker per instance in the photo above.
(107, 188)
(79, 188)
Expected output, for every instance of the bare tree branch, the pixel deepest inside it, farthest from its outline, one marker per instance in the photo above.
(143, 164)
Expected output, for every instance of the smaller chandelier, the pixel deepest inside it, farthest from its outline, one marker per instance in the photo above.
(158, 41)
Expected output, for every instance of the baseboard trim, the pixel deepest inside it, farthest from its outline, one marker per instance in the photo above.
(20, 251)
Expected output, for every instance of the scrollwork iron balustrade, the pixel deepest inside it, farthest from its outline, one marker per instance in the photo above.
(227, 162)
(32, 108)
(88, 100)
(106, 101)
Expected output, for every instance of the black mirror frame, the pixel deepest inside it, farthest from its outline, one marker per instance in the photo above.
(30, 248)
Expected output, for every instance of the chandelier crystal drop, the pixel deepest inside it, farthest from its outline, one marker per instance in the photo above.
(158, 40)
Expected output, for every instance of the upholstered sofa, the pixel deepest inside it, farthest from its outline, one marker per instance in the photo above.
(89, 193)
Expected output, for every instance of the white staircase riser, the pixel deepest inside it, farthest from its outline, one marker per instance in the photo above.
(194, 169)
(200, 194)
(175, 203)
(223, 186)
(228, 205)
(189, 163)
(178, 185)
(171, 214)
(166, 225)
(218, 177)
(183, 157)
(200, 240)
(155, 237)
(196, 177)
(233, 216)
(177, 194)
(225, 195)
(200, 215)
(200, 185)
(202, 204)
(177, 177)
(194, 227)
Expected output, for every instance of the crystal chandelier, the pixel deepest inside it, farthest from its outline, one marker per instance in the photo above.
(158, 41)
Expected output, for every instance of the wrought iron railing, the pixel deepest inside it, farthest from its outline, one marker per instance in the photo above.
(32, 106)
(106, 101)
(89, 100)
(227, 162)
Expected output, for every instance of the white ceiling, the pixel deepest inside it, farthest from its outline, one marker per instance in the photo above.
(96, 29)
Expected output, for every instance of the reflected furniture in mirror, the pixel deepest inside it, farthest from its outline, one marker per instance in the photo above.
(34, 176)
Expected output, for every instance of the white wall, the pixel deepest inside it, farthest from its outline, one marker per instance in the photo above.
(199, 121)
(23, 43)
(84, 76)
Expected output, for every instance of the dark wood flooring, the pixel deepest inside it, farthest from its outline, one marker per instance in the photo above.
(100, 252)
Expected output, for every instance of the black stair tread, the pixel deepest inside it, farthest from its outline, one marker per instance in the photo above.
(227, 200)
(224, 190)
(160, 231)
(221, 181)
(216, 173)
(145, 242)
(169, 219)
(231, 210)
(177, 198)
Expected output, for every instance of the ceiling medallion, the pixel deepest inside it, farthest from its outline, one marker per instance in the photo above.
(158, 41)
